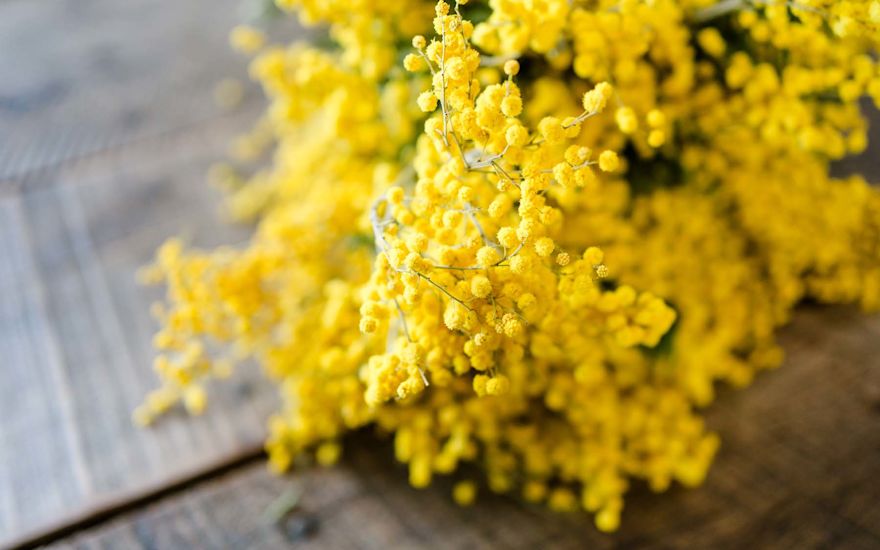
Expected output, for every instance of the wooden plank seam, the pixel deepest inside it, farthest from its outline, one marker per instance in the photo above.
(104, 511)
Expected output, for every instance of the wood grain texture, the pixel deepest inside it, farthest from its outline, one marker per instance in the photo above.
(107, 127)
(798, 469)
(78, 76)
(84, 76)
(75, 332)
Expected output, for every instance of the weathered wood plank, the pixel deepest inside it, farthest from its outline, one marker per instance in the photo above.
(75, 332)
(107, 126)
(797, 469)
(78, 76)
(39, 462)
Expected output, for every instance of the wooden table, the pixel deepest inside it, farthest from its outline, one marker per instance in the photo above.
(106, 130)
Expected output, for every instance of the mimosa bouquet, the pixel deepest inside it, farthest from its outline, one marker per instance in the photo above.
(532, 235)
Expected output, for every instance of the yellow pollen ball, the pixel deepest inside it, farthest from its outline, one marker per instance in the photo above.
(464, 493)
(488, 256)
(711, 41)
(626, 120)
(511, 106)
(608, 161)
(544, 246)
(551, 129)
(593, 255)
(656, 118)
(427, 101)
(368, 325)
(656, 138)
(479, 384)
(395, 195)
(516, 135)
(413, 62)
(247, 39)
(499, 385)
(480, 286)
(595, 100)
(195, 399)
(328, 454)
(563, 259)
(608, 520)
(507, 237)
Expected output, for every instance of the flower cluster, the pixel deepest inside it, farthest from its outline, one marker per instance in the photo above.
(536, 240)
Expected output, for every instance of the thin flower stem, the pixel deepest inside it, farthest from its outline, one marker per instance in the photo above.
(718, 10)
(443, 85)
(444, 291)
(514, 253)
(470, 214)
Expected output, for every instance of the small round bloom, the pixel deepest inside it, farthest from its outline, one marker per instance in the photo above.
(551, 129)
(577, 154)
(563, 259)
(427, 101)
(247, 39)
(626, 120)
(395, 195)
(455, 68)
(488, 256)
(544, 246)
(507, 237)
(511, 105)
(656, 138)
(608, 161)
(498, 385)
(464, 493)
(328, 453)
(656, 118)
(593, 255)
(195, 399)
(368, 325)
(711, 41)
(479, 384)
(595, 100)
(413, 62)
(563, 173)
(480, 286)
(608, 520)
(516, 135)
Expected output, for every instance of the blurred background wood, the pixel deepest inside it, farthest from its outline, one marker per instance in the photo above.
(107, 128)
(78, 76)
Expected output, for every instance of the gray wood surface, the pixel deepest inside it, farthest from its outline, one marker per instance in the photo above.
(107, 128)
(78, 76)
(75, 333)
(798, 469)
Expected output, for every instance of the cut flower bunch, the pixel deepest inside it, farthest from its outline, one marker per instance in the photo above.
(531, 235)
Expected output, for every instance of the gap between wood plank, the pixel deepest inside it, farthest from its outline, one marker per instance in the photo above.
(106, 510)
